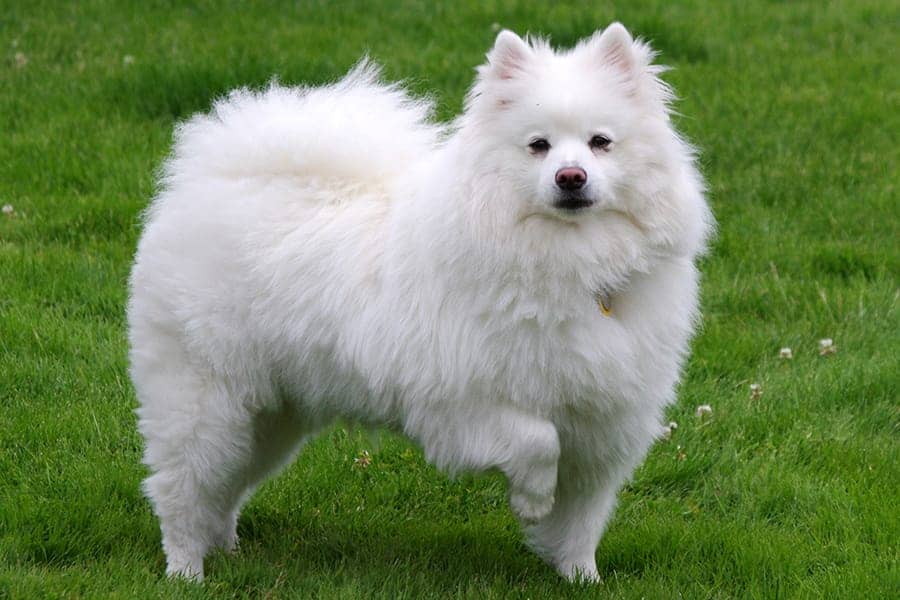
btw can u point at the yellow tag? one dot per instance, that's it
(603, 303)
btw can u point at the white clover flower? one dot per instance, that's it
(363, 460)
(703, 410)
(21, 59)
(786, 353)
(826, 347)
(495, 27)
(755, 391)
(128, 59)
(8, 209)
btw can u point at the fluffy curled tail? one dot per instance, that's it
(357, 130)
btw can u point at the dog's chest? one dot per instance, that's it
(545, 362)
(599, 351)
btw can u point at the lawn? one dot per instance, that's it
(792, 493)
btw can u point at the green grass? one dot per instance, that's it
(795, 494)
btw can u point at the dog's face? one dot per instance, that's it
(570, 131)
(572, 158)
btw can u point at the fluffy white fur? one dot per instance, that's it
(330, 253)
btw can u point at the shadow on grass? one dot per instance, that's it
(318, 553)
(488, 548)
(273, 546)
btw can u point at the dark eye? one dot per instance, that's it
(539, 146)
(600, 142)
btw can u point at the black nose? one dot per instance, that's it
(571, 178)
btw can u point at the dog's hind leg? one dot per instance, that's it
(197, 441)
(207, 446)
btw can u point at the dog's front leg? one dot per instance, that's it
(589, 479)
(524, 447)
(567, 538)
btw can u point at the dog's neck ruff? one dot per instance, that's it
(604, 302)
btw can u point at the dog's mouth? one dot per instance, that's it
(572, 203)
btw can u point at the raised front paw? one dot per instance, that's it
(531, 498)
(532, 477)
(530, 507)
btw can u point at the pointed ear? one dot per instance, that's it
(508, 56)
(615, 47)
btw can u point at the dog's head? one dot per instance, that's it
(572, 133)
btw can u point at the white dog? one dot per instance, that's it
(516, 291)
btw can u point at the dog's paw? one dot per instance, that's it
(184, 563)
(584, 571)
(530, 508)
(190, 572)
(228, 543)
(531, 496)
